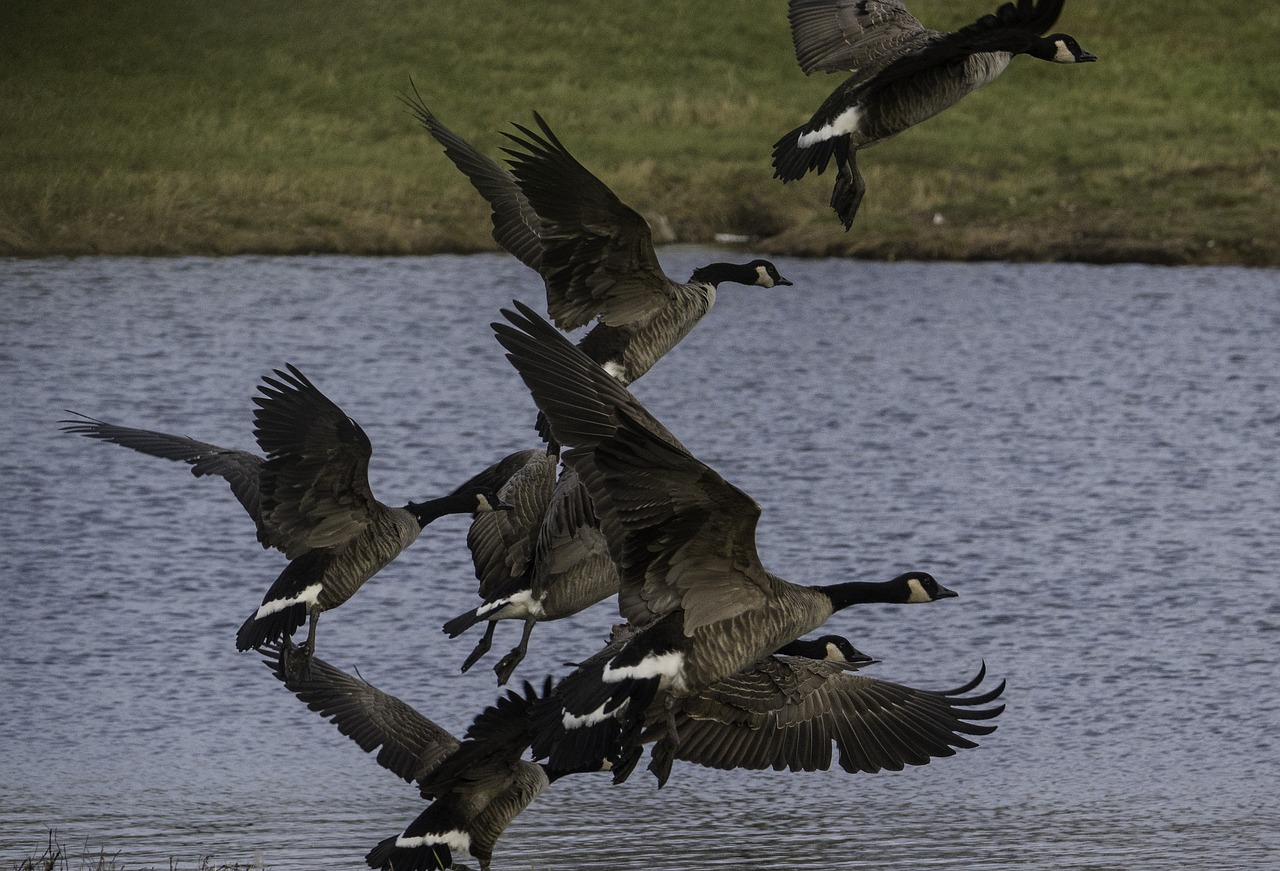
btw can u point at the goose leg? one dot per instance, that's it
(849, 190)
(298, 665)
(482, 646)
(508, 663)
(664, 751)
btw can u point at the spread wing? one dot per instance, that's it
(682, 536)
(879, 42)
(789, 712)
(860, 36)
(315, 484)
(1011, 28)
(408, 744)
(515, 224)
(598, 259)
(240, 469)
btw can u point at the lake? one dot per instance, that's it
(1088, 455)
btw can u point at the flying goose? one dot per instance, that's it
(309, 498)
(684, 542)
(478, 785)
(902, 74)
(595, 254)
(545, 560)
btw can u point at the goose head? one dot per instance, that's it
(767, 275)
(485, 500)
(829, 648)
(920, 587)
(1059, 48)
(757, 273)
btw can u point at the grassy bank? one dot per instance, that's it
(169, 126)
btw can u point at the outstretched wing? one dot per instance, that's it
(408, 744)
(515, 224)
(859, 36)
(682, 536)
(315, 484)
(789, 712)
(598, 259)
(240, 469)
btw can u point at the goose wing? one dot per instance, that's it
(1011, 28)
(788, 712)
(502, 542)
(408, 744)
(515, 224)
(315, 483)
(240, 469)
(860, 36)
(598, 259)
(681, 535)
(571, 549)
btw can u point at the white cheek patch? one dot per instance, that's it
(307, 597)
(454, 840)
(664, 665)
(482, 503)
(1063, 55)
(918, 594)
(763, 278)
(835, 654)
(843, 124)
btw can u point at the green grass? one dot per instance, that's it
(170, 126)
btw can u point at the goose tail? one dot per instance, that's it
(285, 606)
(594, 717)
(792, 161)
(465, 621)
(426, 845)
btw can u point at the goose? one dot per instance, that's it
(543, 561)
(478, 785)
(309, 498)
(595, 254)
(786, 711)
(902, 74)
(684, 542)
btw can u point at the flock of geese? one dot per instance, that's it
(709, 665)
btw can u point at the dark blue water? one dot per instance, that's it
(1087, 455)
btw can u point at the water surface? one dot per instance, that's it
(1087, 455)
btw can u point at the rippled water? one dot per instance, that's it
(1087, 455)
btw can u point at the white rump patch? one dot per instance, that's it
(572, 721)
(616, 370)
(842, 125)
(454, 840)
(307, 597)
(516, 607)
(664, 665)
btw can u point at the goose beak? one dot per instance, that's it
(504, 506)
(782, 282)
(944, 593)
(1086, 57)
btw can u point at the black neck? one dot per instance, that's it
(456, 503)
(714, 273)
(863, 593)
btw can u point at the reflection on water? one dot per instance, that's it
(1086, 454)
